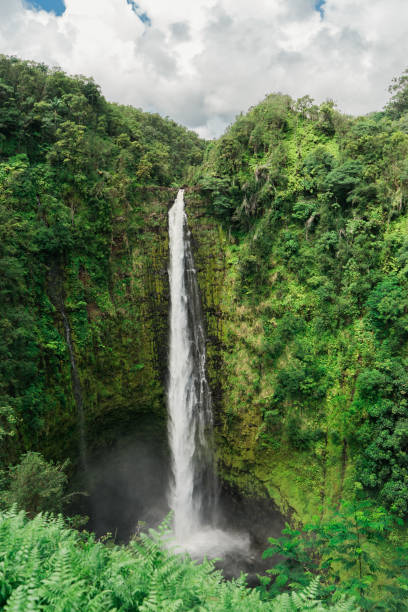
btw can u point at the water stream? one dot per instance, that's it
(193, 490)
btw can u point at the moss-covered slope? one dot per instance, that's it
(309, 213)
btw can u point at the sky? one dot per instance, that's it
(202, 62)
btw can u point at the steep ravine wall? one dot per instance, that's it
(301, 483)
(118, 324)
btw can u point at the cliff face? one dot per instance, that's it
(119, 329)
(252, 457)
(209, 246)
(84, 191)
(299, 223)
(306, 213)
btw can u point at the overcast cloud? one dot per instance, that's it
(202, 62)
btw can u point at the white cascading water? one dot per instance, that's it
(188, 393)
(193, 489)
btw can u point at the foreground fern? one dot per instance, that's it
(46, 566)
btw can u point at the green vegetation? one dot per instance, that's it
(309, 210)
(344, 552)
(313, 206)
(45, 566)
(84, 187)
(34, 485)
(299, 217)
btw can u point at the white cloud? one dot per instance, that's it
(203, 62)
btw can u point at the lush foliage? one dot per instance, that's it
(46, 566)
(344, 551)
(314, 205)
(302, 256)
(83, 192)
(35, 485)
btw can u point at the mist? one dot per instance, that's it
(128, 484)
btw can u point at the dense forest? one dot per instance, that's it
(299, 220)
(314, 205)
(75, 202)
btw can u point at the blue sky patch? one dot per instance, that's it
(319, 6)
(51, 6)
(144, 17)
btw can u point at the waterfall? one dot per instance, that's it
(192, 497)
(192, 493)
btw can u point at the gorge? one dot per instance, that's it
(294, 262)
